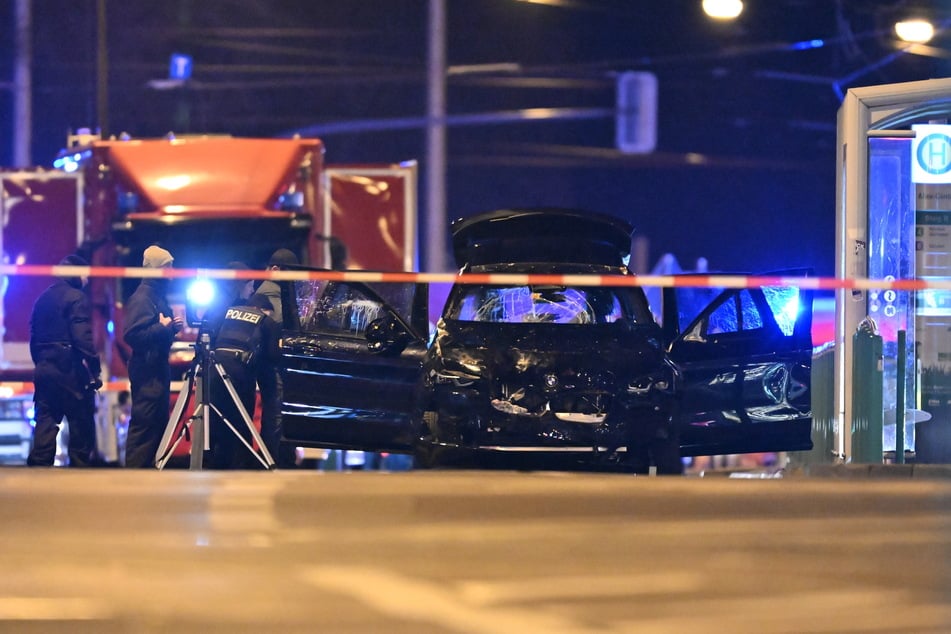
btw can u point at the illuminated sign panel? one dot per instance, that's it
(180, 67)
(931, 154)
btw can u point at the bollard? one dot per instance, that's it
(822, 380)
(868, 415)
(900, 400)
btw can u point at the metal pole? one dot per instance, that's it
(900, 399)
(102, 70)
(183, 114)
(23, 85)
(201, 428)
(435, 221)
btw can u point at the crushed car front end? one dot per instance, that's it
(545, 375)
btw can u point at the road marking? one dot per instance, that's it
(52, 609)
(403, 597)
(484, 593)
(245, 505)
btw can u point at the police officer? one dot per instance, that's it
(66, 373)
(280, 259)
(229, 292)
(271, 382)
(246, 344)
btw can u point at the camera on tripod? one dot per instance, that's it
(197, 386)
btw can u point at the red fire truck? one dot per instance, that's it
(208, 200)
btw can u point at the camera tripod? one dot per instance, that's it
(199, 377)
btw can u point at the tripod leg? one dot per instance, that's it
(265, 456)
(242, 439)
(164, 450)
(189, 424)
(200, 425)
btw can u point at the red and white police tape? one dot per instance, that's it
(685, 280)
(8, 389)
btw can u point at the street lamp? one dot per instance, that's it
(436, 260)
(723, 9)
(916, 30)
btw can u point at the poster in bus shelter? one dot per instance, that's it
(933, 316)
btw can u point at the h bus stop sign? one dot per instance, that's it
(931, 154)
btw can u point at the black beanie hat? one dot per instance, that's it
(73, 260)
(283, 257)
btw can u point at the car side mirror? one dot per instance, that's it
(386, 335)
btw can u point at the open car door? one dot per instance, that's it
(745, 364)
(351, 358)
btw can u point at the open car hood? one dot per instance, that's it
(540, 235)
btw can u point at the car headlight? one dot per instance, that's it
(457, 373)
(455, 378)
(653, 383)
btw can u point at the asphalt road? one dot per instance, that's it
(470, 552)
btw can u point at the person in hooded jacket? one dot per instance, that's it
(150, 329)
(66, 371)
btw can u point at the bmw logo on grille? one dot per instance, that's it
(551, 381)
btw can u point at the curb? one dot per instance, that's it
(870, 471)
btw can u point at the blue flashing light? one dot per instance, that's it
(807, 44)
(111, 327)
(201, 292)
(70, 162)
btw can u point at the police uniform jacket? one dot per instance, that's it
(213, 318)
(247, 332)
(61, 339)
(149, 339)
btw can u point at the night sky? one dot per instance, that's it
(744, 169)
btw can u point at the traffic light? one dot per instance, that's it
(636, 114)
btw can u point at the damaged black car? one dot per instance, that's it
(549, 373)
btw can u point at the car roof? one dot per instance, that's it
(541, 234)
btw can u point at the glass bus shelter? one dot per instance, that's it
(890, 227)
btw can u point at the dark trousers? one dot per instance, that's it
(272, 396)
(150, 413)
(52, 404)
